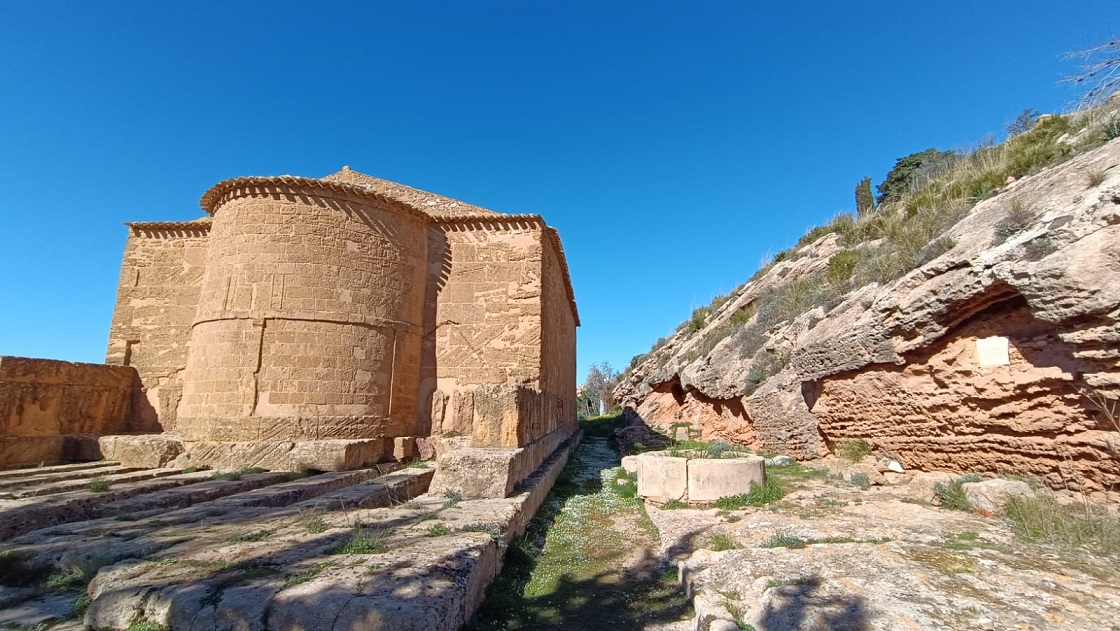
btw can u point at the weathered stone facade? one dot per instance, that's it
(346, 311)
(52, 411)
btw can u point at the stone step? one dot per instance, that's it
(423, 564)
(85, 483)
(80, 466)
(19, 516)
(13, 484)
(235, 518)
(137, 529)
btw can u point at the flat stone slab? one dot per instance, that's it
(336, 550)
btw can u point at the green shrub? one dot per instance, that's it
(842, 265)
(717, 448)
(452, 498)
(952, 495)
(60, 581)
(437, 530)
(859, 479)
(674, 505)
(696, 322)
(1018, 216)
(901, 177)
(80, 605)
(853, 450)
(865, 201)
(99, 485)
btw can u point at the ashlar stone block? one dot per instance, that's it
(663, 479)
(710, 479)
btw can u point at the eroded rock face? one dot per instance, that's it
(985, 359)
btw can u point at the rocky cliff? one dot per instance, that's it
(996, 353)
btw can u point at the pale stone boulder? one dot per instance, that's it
(922, 485)
(663, 479)
(143, 451)
(990, 496)
(710, 479)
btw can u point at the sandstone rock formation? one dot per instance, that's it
(994, 356)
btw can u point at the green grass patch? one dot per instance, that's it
(1075, 527)
(437, 530)
(316, 525)
(778, 583)
(783, 540)
(99, 485)
(143, 624)
(256, 535)
(306, 575)
(769, 492)
(364, 541)
(602, 426)
(81, 603)
(566, 571)
(853, 450)
(232, 476)
(718, 542)
(967, 540)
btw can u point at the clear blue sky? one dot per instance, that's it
(672, 144)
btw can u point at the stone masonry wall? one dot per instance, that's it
(156, 301)
(309, 320)
(486, 279)
(558, 342)
(53, 410)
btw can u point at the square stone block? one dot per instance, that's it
(478, 473)
(663, 479)
(710, 479)
(143, 451)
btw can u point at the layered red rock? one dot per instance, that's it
(993, 358)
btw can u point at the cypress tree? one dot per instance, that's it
(865, 201)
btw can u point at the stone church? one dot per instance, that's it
(335, 322)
